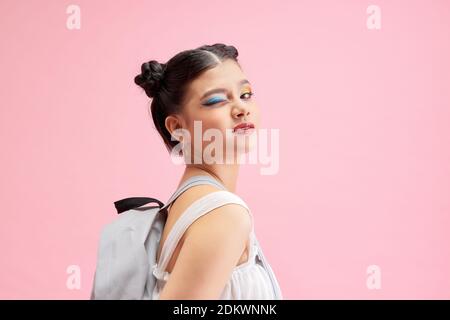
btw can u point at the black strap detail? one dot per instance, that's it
(134, 202)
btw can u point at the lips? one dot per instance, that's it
(244, 126)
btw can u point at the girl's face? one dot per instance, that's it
(221, 98)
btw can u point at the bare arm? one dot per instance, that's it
(212, 248)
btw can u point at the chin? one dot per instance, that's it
(248, 143)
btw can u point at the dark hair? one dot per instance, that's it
(166, 83)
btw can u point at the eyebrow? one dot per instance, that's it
(207, 93)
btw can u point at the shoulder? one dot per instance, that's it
(233, 212)
(191, 195)
(231, 218)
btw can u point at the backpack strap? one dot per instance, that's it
(197, 209)
(135, 202)
(190, 182)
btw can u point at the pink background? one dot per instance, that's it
(363, 115)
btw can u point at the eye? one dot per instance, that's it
(249, 94)
(215, 100)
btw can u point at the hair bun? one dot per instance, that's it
(151, 77)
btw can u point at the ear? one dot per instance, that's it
(174, 122)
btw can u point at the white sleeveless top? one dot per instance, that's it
(248, 281)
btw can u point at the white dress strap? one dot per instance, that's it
(198, 208)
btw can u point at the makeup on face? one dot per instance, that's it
(246, 90)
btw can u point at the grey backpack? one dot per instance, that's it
(128, 246)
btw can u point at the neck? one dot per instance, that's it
(226, 174)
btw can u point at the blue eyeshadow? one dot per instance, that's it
(213, 100)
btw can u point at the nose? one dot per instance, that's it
(240, 110)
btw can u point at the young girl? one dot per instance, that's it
(208, 246)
